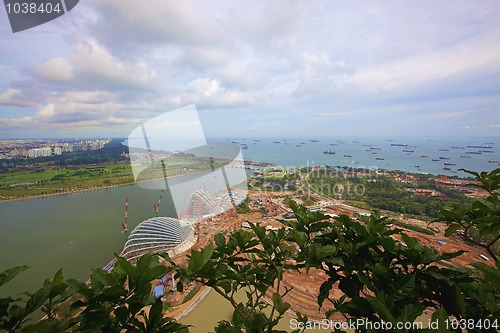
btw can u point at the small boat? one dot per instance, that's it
(448, 163)
(457, 147)
(446, 168)
(376, 148)
(435, 160)
(328, 152)
(444, 150)
(277, 141)
(473, 152)
(408, 151)
(487, 147)
(465, 156)
(493, 161)
(417, 166)
(345, 155)
(444, 158)
(380, 158)
(314, 140)
(298, 145)
(424, 155)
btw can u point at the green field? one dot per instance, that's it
(17, 184)
(25, 183)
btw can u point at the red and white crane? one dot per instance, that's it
(157, 206)
(125, 224)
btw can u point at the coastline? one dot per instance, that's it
(42, 196)
(94, 188)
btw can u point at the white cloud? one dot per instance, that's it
(14, 97)
(56, 69)
(416, 71)
(93, 61)
(91, 65)
(90, 97)
(209, 93)
(205, 87)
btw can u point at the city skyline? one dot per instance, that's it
(301, 69)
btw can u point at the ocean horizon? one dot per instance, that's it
(439, 156)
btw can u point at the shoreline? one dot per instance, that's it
(250, 163)
(69, 192)
(104, 187)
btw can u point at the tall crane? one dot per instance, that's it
(125, 224)
(157, 206)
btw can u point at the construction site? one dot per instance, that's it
(268, 209)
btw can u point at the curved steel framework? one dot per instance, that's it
(157, 234)
(201, 205)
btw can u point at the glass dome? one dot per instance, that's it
(157, 234)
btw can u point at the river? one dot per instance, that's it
(80, 231)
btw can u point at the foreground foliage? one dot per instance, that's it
(385, 276)
(111, 302)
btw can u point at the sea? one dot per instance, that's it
(436, 156)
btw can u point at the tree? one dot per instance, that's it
(481, 217)
(110, 302)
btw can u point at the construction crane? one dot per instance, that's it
(157, 206)
(125, 224)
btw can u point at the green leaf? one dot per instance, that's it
(410, 241)
(127, 267)
(11, 273)
(439, 318)
(36, 300)
(381, 273)
(155, 313)
(57, 289)
(220, 241)
(324, 290)
(280, 305)
(144, 262)
(451, 255)
(382, 310)
(388, 244)
(157, 272)
(403, 287)
(410, 312)
(58, 277)
(491, 273)
(200, 258)
(115, 292)
(451, 229)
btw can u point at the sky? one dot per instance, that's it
(259, 68)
